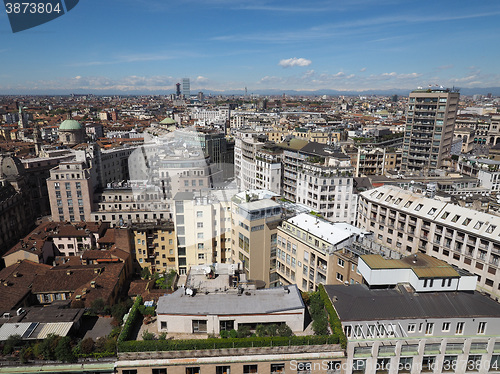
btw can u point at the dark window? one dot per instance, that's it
(222, 369)
(193, 370)
(248, 369)
(159, 371)
(277, 368)
(227, 325)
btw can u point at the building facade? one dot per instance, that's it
(310, 252)
(430, 121)
(411, 223)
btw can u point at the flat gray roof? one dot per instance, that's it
(264, 301)
(358, 303)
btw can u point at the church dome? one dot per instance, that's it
(10, 166)
(70, 124)
(168, 121)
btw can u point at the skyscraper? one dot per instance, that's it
(186, 88)
(430, 121)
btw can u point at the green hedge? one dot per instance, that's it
(129, 325)
(96, 355)
(334, 319)
(214, 343)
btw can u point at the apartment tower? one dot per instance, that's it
(430, 121)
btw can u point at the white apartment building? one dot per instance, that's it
(319, 178)
(203, 228)
(411, 223)
(268, 168)
(403, 331)
(245, 151)
(485, 170)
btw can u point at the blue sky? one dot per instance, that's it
(148, 46)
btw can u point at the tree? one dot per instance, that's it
(146, 335)
(64, 351)
(145, 273)
(284, 330)
(98, 306)
(244, 331)
(87, 346)
(118, 311)
(48, 347)
(12, 342)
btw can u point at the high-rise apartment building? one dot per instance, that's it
(430, 121)
(186, 88)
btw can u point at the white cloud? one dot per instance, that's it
(362, 69)
(291, 62)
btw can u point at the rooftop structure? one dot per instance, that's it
(183, 312)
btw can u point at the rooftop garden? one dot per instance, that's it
(325, 324)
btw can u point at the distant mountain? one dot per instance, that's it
(495, 91)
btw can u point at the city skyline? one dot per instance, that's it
(148, 47)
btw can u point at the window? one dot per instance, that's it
(466, 221)
(199, 225)
(304, 367)
(340, 277)
(411, 327)
(132, 371)
(201, 256)
(222, 369)
(248, 369)
(193, 370)
(159, 371)
(481, 328)
(408, 203)
(341, 262)
(460, 328)
(199, 214)
(418, 207)
(456, 218)
(358, 366)
(446, 326)
(490, 229)
(478, 225)
(429, 328)
(432, 211)
(199, 325)
(428, 363)
(226, 325)
(405, 364)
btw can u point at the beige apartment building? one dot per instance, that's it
(430, 121)
(71, 191)
(155, 245)
(255, 219)
(411, 223)
(310, 252)
(327, 358)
